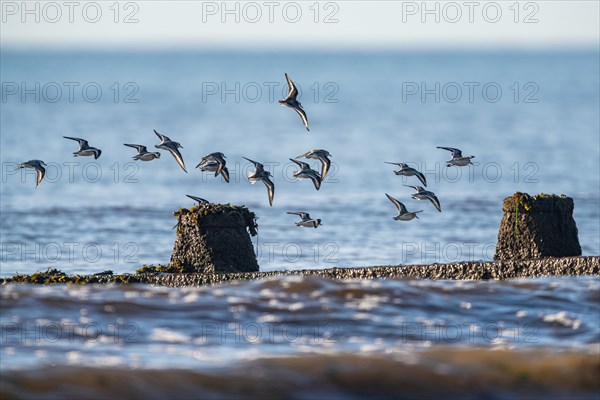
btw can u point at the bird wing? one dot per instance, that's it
(399, 206)
(200, 200)
(82, 142)
(434, 200)
(456, 153)
(39, 174)
(305, 155)
(292, 90)
(413, 187)
(219, 168)
(270, 189)
(163, 138)
(178, 157)
(303, 215)
(315, 178)
(138, 147)
(225, 173)
(421, 177)
(259, 167)
(302, 115)
(325, 167)
(301, 164)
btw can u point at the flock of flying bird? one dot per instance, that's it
(215, 162)
(420, 193)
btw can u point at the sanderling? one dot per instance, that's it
(423, 194)
(171, 146)
(84, 148)
(457, 157)
(403, 214)
(305, 220)
(217, 157)
(291, 102)
(214, 162)
(143, 153)
(40, 171)
(215, 167)
(321, 155)
(405, 170)
(261, 175)
(307, 173)
(200, 200)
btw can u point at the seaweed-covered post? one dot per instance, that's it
(212, 238)
(537, 226)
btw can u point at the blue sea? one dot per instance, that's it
(531, 119)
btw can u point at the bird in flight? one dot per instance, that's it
(305, 220)
(422, 194)
(40, 171)
(143, 153)
(84, 148)
(403, 213)
(214, 162)
(321, 155)
(172, 147)
(291, 101)
(457, 157)
(405, 170)
(261, 175)
(306, 172)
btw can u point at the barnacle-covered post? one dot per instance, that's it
(213, 238)
(537, 226)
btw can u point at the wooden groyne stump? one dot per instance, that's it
(214, 238)
(537, 226)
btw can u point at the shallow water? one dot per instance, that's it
(304, 336)
(112, 213)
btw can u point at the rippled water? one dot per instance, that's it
(296, 337)
(427, 327)
(115, 214)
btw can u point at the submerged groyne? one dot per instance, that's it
(472, 270)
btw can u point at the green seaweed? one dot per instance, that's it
(532, 203)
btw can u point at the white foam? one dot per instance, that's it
(169, 336)
(562, 318)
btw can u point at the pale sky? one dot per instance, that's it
(305, 24)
